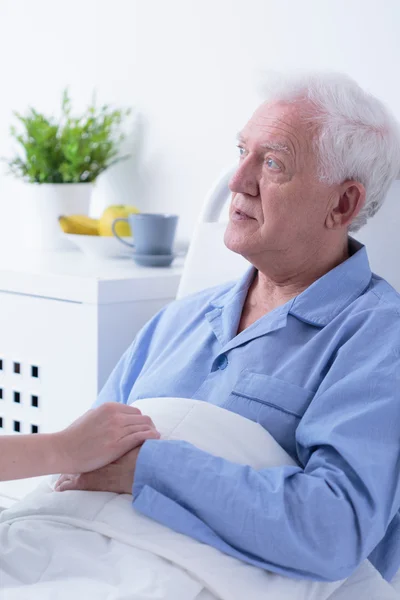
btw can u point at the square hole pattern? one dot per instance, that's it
(17, 368)
(12, 420)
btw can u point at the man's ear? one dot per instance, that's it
(347, 203)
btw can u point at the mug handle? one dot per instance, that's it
(116, 234)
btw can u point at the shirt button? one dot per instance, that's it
(222, 362)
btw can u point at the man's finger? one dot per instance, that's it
(61, 479)
(77, 482)
(67, 485)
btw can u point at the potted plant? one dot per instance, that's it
(60, 160)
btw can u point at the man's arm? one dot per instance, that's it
(318, 520)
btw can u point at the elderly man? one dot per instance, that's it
(307, 344)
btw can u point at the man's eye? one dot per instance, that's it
(241, 150)
(272, 164)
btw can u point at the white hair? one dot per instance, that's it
(356, 138)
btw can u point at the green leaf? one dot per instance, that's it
(78, 148)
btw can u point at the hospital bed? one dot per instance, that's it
(210, 263)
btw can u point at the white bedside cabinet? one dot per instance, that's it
(65, 320)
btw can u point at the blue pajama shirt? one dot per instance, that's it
(322, 374)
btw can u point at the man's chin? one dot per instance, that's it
(234, 243)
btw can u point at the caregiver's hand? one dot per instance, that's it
(114, 477)
(102, 435)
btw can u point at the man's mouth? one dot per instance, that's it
(239, 215)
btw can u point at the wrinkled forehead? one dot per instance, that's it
(282, 124)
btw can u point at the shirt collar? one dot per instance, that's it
(322, 300)
(226, 308)
(236, 291)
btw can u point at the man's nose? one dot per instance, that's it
(244, 180)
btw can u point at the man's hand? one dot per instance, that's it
(115, 477)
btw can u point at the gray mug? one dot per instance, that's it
(153, 233)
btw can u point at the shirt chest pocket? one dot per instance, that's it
(273, 403)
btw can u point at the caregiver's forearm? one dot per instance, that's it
(30, 455)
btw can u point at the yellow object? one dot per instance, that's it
(79, 224)
(114, 212)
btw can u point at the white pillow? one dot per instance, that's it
(215, 430)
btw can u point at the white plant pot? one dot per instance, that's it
(44, 204)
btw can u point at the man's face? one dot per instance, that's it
(277, 201)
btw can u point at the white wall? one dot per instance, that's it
(190, 68)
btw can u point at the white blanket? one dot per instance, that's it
(95, 545)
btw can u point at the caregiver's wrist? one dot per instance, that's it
(60, 458)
